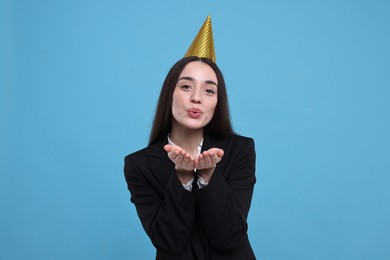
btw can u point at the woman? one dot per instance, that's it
(192, 186)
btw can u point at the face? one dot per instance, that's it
(195, 96)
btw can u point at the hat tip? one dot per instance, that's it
(203, 44)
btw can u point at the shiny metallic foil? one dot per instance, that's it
(203, 44)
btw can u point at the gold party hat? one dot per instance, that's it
(203, 44)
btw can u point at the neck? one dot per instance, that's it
(188, 139)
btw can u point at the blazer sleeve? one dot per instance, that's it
(224, 203)
(167, 219)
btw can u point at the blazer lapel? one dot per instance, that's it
(210, 142)
(160, 165)
(224, 144)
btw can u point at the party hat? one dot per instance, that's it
(203, 44)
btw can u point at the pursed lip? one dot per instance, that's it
(194, 112)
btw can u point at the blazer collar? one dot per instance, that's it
(211, 142)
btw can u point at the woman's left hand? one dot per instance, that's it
(207, 161)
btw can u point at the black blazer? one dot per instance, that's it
(208, 223)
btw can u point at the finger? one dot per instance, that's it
(215, 158)
(191, 164)
(172, 155)
(217, 151)
(187, 162)
(186, 159)
(200, 161)
(172, 151)
(179, 158)
(196, 163)
(220, 153)
(175, 152)
(208, 160)
(168, 147)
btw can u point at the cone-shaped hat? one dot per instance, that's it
(203, 44)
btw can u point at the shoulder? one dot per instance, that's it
(155, 150)
(137, 162)
(233, 142)
(240, 140)
(241, 149)
(137, 154)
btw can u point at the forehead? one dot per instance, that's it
(199, 71)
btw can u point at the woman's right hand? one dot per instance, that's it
(184, 163)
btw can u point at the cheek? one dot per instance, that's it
(214, 103)
(174, 101)
(176, 105)
(212, 108)
(174, 109)
(177, 98)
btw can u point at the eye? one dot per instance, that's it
(209, 91)
(185, 87)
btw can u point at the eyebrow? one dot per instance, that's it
(192, 79)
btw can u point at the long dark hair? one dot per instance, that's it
(219, 126)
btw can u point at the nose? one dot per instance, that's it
(196, 97)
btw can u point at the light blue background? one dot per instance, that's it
(308, 80)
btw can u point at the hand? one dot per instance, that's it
(184, 163)
(207, 161)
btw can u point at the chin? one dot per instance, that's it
(194, 126)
